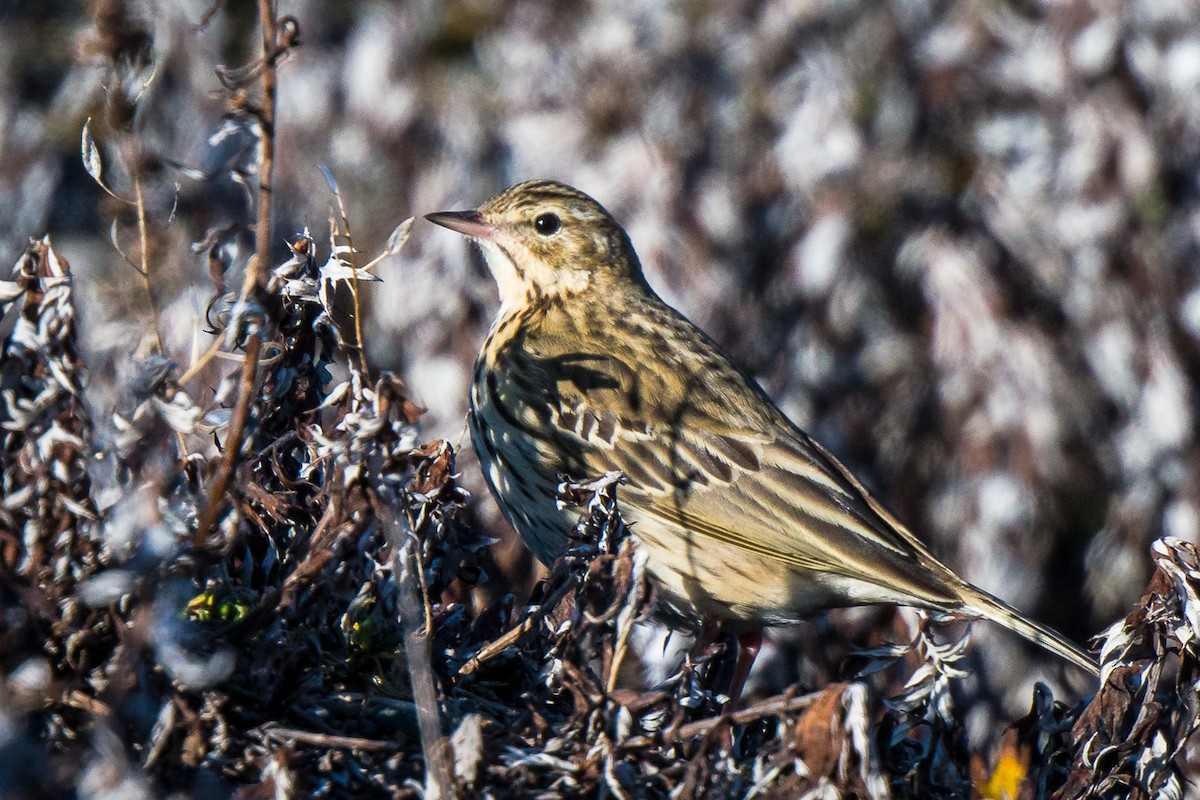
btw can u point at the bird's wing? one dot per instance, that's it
(707, 451)
(785, 498)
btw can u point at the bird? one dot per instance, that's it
(746, 521)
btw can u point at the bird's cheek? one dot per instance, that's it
(575, 280)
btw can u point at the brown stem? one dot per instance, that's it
(778, 705)
(144, 271)
(145, 254)
(288, 735)
(358, 331)
(233, 443)
(531, 619)
(406, 562)
(262, 242)
(254, 272)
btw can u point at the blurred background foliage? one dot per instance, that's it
(957, 241)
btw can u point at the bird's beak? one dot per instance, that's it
(468, 223)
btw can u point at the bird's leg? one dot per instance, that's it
(709, 631)
(749, 643)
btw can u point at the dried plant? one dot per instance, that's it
(1128, 740)
(240, 565)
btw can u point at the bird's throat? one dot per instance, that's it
(522, 278)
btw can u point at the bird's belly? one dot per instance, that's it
(711, 580)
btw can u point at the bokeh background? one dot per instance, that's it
(957, 241)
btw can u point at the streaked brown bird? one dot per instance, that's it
(746, 520)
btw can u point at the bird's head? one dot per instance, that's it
(544, 238)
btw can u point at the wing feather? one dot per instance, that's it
(783, 499)
(707, 451)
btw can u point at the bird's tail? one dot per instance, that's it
(996, 610)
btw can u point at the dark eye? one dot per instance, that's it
(547, 224)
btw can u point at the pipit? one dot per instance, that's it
(747, 521)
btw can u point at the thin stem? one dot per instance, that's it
(358, 332)
(627, 616)
(254, 272)
(233, 443)
(262, 242)
(201, 362)
(774, 706)
(406, 562)
(513, 635)
(289, 735)
(144, 272)
(145, 268)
